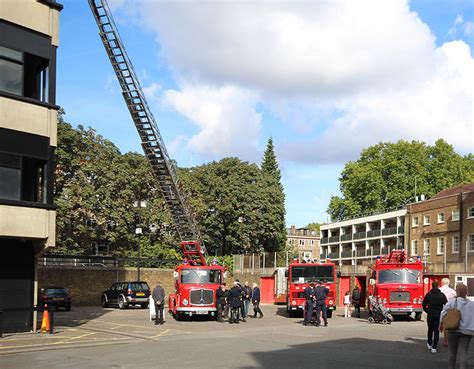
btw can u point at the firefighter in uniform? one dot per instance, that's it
(320, 295)
(309, 296)
(235, 302)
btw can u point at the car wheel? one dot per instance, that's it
(329, 314)
(122, 304)
(144, 305)
(104, 302)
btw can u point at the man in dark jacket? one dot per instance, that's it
(159, 298)
(221, 301)
(235, 302)
(256, 301)
(356, 296)
(309, 296)
(432, 305)
(320, 295)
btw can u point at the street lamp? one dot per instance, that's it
(138, 231)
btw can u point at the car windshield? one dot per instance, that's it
(403, 275)
(142, 286)
(307, 274)
(54, 291)
(200, 276)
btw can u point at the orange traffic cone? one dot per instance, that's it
(45, 321)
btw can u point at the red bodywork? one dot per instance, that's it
(398, 283)
(195, 283)
(300, 275)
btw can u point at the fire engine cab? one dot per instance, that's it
(397, 283)
(300, 275)
(195, 283)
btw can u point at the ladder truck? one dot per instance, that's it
(195, 281)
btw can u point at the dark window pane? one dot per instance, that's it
(36, 77)
(11, 54)
(10, 183)
(10, 77)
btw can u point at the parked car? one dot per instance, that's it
(55, 296)
(125, 294)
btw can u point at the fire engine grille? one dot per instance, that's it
(399, 296)
(201, 297)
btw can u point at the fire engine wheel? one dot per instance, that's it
(329, 314)
(370, 320)
(178, 316)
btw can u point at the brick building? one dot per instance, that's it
(28, 125)
(306, 241)
(441, 231)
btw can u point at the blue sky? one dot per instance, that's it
(323, 79)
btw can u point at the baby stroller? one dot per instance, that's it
(380, 313)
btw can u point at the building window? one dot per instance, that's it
(24, 74)
(306, 255)
(470, 213)
(415, 222)
(470, 243)
(426, 247)
(426, 220)
(455, 215)
(455, 249)
(301, 242)
(440, 217)
(414, 247)
(440, 244)
(311, 242)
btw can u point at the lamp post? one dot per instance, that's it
(138, 231)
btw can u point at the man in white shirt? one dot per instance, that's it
(450, 294)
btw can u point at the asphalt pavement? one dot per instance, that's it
(111, 338)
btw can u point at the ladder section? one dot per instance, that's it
(193, 253)
(151, 139)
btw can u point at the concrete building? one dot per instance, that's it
(28, 124)
(305, 240)
(353, 244)
(441, 231)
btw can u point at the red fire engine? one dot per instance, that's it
(300, 275)
(397, 283)
(196, 283)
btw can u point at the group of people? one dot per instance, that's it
(436, 303)
(315, 296)
(352, 301)
(234, 303)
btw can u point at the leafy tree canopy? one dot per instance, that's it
(385, 175)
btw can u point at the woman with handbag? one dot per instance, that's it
(458, 319)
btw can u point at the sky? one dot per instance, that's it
(324, 79)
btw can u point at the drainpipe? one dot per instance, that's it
(461, 228)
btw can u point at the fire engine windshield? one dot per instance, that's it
(404, 275)
(307, 274)
(200, 276)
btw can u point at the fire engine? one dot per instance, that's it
(300, 275)
(397, 283)
(196, 282)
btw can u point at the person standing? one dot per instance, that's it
(450, 294)
(309, 296)
(460, 339)
(320, 295)
(256, 301)
(247, 296)
(347, 305)
(159, 299)
(235, 302)
(221, 301)
(433, 304)
(356, 296)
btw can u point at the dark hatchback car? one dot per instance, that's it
(125, 294)
(58, 297)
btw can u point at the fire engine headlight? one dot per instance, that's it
(415, 301)
(380, 300)
(185, 302)
(384, 301)
(331, 302)
(293, 302)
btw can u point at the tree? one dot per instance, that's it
(313, 226)
(384, 176)
(269, 162)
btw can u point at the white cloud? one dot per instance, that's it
(226, 117)
(346, 74)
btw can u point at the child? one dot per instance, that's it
(347, 305)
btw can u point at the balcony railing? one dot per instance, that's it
(389, 231)
(346, 254)
(333, 255)
(361, 253)
(401, 230)
(359, 235)
(334, 239)
(374, 233)
(376, 251)
(346, 237)
(325, 240)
